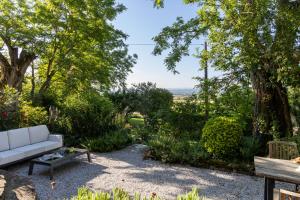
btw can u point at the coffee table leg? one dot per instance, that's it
(89, 156)
(30, 168)
(51, 173)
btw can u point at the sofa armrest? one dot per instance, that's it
(56, 138)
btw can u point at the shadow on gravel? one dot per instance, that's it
(67, 178)
(216, 184)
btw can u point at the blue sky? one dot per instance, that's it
(142, 22)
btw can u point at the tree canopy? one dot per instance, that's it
(69, 42)
(257, 39)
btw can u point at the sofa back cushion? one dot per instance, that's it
(18, 138)
(38, 134)
(4, 145)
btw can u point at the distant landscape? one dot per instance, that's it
(182, 91)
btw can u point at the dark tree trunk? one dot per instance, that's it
(271, 105)
(13, 69)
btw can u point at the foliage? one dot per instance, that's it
(72, 50)
(246, 40)
(86, 194)
(16, 112)
(9, 104)
(141, 134)
(172, 150)
(119, 194)
(110, 141)
(144, 98)
(193, 195)
(185, 118)
(294, 97)
(88, 113)
(249, 148)
(32, 116)
(228, 98)
(152, 99)
(221, 136)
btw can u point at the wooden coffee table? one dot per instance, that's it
(69, 154)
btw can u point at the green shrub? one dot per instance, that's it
(249, 148)
(186, 117)
(32, 116)
(119, 194)
(221, 136)
(193, 195)
(109, 142)
(140, 134)
(89, 114)
(9, 108)
(173, 150)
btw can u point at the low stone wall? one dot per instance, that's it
(13, 187)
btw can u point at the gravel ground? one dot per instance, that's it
(128, 170)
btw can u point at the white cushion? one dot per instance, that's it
(10, 156)
(4, 145)
(31, 150)
(37, 148)
(18, 138)
(38, 134)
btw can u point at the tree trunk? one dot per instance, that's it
(13, 71)
(271, 109)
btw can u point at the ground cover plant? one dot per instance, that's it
(120, 194)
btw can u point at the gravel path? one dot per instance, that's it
(128, 170)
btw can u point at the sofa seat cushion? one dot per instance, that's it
(38, 148)
(38, 134)
(10, 156)
(4, 145)
(18, 138)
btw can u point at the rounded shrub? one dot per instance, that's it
(221, 136)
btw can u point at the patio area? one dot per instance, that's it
(127, 169)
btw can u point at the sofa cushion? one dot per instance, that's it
(31, 150)
(10, 156)
(4, 145)
(18, 138)
(38, 134)
(37, 148)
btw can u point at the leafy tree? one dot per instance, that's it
(18, 41)
(74, 41)
(152, 99)
(256, 39)
(145, 98)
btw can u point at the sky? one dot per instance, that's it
(142, 22)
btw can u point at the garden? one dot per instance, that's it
(65, 65)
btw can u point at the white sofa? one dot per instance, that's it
(25, 143)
